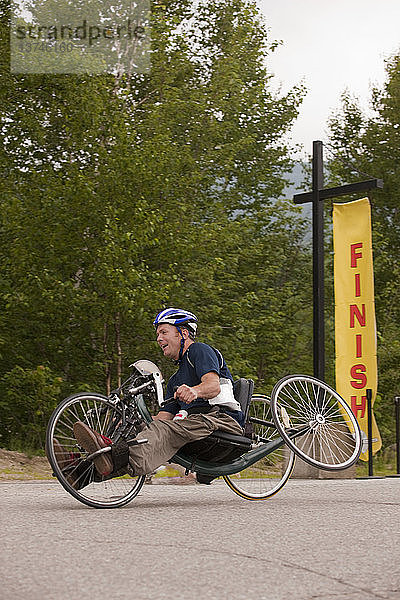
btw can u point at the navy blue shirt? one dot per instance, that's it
(198, 360)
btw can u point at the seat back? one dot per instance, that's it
(243, 391)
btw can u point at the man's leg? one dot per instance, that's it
(164, 439)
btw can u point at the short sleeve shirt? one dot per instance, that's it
(198, 360)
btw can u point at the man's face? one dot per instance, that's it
(169, 340)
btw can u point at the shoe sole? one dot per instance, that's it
(87, 438)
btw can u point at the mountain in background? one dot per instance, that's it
(299, 181)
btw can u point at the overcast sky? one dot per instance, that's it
(331, 45)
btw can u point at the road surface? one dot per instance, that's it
(314, 540)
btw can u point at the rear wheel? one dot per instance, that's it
(316, 423)
(68, 460)
(267, 476)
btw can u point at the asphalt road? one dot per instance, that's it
(315, 539)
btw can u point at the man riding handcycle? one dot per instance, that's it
(101, 448)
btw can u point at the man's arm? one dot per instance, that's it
(208, 388)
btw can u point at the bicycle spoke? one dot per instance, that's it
(263, 479)
(68, 460)
(330, 443)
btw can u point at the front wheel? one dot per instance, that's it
(68, 460)
(316, 423)
(268, 475)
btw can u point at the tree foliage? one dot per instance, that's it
(368, 146)
(125, 194)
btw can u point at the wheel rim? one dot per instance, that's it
(266, 477)
(331, 437)
(69, 460)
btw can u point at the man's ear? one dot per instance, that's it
(185, 333)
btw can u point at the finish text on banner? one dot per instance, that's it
(355, 327)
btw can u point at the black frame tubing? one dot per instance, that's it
(370, 455)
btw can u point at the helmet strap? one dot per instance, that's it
(182, 343)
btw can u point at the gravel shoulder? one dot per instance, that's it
(16, 466)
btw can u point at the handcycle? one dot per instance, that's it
(304, 417)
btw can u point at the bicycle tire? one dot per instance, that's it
(68, 460)
(266, 477)
(331, 438)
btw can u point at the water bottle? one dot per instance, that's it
(182, 414)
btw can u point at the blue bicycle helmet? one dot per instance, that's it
(177, 317)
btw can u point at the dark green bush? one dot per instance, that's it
(27, 399)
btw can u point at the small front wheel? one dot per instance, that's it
(316, 423)
(77, 474)
(268, 475)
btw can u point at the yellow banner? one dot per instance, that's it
(355, 328)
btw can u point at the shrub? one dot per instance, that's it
(27, 399)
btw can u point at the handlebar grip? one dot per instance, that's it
(167, 401)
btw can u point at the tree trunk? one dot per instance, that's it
(117, 326)
(107, 362)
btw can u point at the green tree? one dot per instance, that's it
(123, 194)
(368, 145)
(28, 396)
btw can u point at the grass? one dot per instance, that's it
(378, 468)
(383, 463)
(167, 472)
(11, 472)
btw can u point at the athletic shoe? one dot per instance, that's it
(92, 441)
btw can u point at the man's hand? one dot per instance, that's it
(208, 388)
(186, 394)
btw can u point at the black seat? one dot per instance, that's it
(243, 391)
(219, 446)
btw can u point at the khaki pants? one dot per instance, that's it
(166, 437)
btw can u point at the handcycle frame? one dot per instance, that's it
(129, 409)
(232, 467)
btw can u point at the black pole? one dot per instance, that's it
(397, 411)
(317, 197)
(318, 262)
(370, 457)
